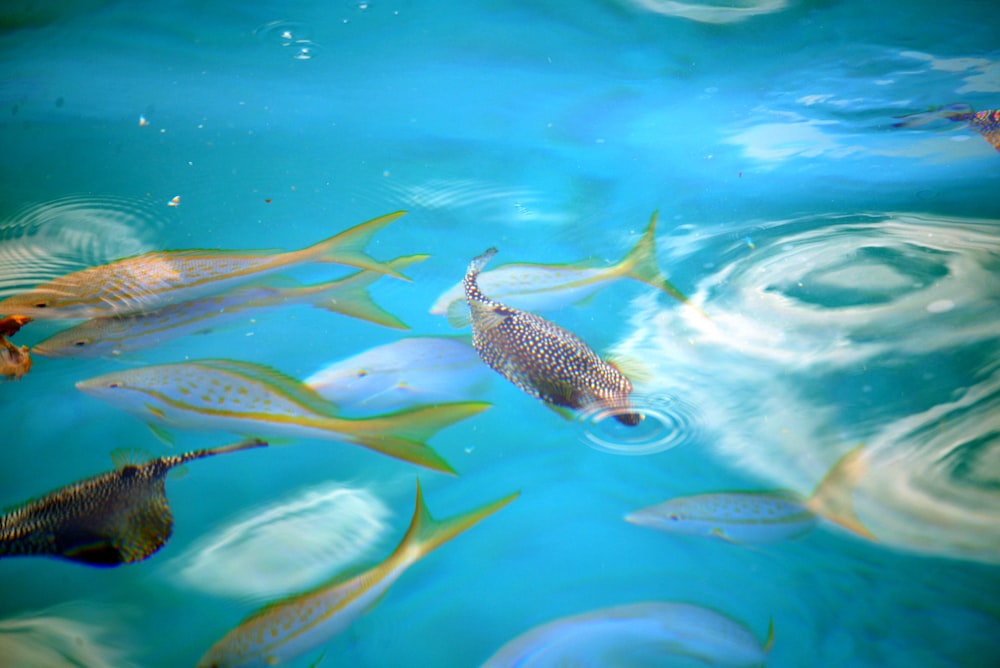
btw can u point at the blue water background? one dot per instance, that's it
(551, 130)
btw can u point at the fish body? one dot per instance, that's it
(109, 336)
(284, 630)
(152, 280)
(402, 373)
(742, 517)
(640, 634)
(115, 518)
(541, 358)
(540, 287)
(762, 517)
(985, 122)
(240, 397)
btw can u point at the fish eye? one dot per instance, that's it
(674, 518)
(80, 343)
(41, 305)
(362, 373)
(112, 384)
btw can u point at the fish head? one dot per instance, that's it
(92, 338)
(132, 390)
(43, 302)
(671, 516)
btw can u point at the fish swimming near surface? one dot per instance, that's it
(108, 336)
(540, 287)
(762, 517)
(152, 280)
(541, 358)
(417, 370)
(245, 398)
(118, 517)
(639, 634)
(286, 629)
(985, 122)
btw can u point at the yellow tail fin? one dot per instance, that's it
(640, 264)
(348, 247)
(402, 434)
(426, 533)
(834, 496)
(349, 296)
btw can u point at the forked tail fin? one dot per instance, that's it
(426, 533)
(640, 264)
(348, 247)
(349, 296)
(402, 434)
(834, 496)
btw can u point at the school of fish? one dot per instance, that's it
(390, 399)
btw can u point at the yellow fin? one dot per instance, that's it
(161, 433)
(348, 247)
(122, 457)
(769, 642)
(633, 368)
(834, 495)
(640, 264)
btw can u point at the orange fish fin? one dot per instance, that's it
(834, 495)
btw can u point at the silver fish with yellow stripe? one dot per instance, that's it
(286, 629)
(149, 281)
(109, 336)
(245, 398)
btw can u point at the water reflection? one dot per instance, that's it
(56, 638)
(288, 545)
(879, 329)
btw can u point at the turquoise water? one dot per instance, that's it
(850, 271)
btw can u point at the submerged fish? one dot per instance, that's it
(986, 122)
(541, 358)
(115, 518)
(149, 281)
(640, 634)
(538, 287)
(762, 517)
(402, 373)
(114, 335)
(241, 397)
(285, 629)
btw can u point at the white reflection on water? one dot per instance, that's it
(41, 242)
(286, 546)
(56, 638)
(875, 329)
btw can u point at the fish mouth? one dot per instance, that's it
(630, 419)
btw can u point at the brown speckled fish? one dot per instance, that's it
(115, 518)
(541, 358)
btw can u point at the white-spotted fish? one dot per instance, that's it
(540, 287)
(640, 634)
(245, 398)
(286, 629)
(418, 370)
(541, 358)
(762, 517)
(985, 122)
(149, 281)
(115, 518)
(109, 336)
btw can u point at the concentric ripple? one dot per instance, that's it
(667, 422)
(291, 36)
(43, 241)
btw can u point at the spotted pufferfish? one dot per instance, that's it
(541, 358)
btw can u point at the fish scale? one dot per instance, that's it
(541, 358)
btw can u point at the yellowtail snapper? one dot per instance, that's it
(115, 518)
(287, 628)
(762, 517)
(245, 398)
(108, 336)
(149, 281)
(541, 358)
(540, 287)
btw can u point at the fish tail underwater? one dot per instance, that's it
(737, 357)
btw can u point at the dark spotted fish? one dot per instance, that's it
(115, 518)
(542, 358)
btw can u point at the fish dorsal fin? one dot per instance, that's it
(122, 457)
(834, 495)
(278, 381)
(487, 317)
(632, 367)
(458, 313)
